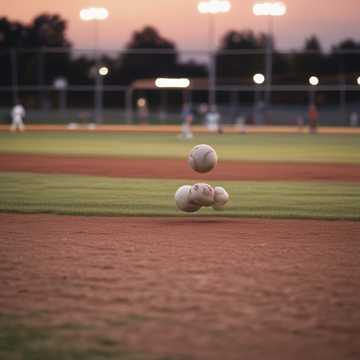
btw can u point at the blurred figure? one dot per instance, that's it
(354, 119)
(212, 120)
(188, 117)
(240, 124)
(203, 109)
(313, 116)
(300, 123)
(17, 116)
(142, 110)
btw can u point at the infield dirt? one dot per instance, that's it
(177, 168)
(197, 288)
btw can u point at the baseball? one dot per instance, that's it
(221, 197)
(202, 194)
(202, 158)
(182, 199)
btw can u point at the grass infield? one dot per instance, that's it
(253, 147)
(86, 195)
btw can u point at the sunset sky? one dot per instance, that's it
(179, 20)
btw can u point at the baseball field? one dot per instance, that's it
(96, 262)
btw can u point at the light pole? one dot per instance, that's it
(258, 79)
(211, 8)
(313, 81)
(100, 74)
(96, 14)
(269, 9)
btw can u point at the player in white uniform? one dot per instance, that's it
(17, 115)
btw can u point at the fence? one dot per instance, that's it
(63, 85)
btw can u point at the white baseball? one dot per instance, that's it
(202, 194)
(182, 199)
(221, 197)
(202, 158)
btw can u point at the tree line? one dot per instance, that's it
(48, 31)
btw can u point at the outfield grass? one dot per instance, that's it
(85, 195)
(254, 147)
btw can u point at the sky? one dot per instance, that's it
(178, 20)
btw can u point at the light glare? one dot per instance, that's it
(103, 71)
(269, 9)
(313, 80)
(172, 83)
(358, 80)
(259, 79)
(141, 102)
(94, 13)
(214, 6)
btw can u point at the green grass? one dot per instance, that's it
(254, 147)
(22, 341)
(83, 195)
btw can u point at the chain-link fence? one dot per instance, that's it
(65, 85)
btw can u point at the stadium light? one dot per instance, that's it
(259, 79)
(269, 9)
(180, 83)
(314, 80)
(103, 71)
(358, 80)
(214, 6)
(94, 13)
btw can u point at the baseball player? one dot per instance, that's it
(17, 116)
(188, 117)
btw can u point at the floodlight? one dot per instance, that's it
(277, 8)
(314, 80)
(172, 83)
(259, 79)
(214, 6)
(94, 13)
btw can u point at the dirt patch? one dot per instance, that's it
(199, 288)
(175, 168)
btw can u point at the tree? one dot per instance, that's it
(12, 34)
(347, 56)
(48, 30)
(313, 44)
(310, 61)
(240, 65)
(133, 66)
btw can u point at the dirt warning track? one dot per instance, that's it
(177, 169)
(187, 288)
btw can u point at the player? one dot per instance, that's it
(213, 120)
(313, 115)
(17, 116)
(188, 117)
